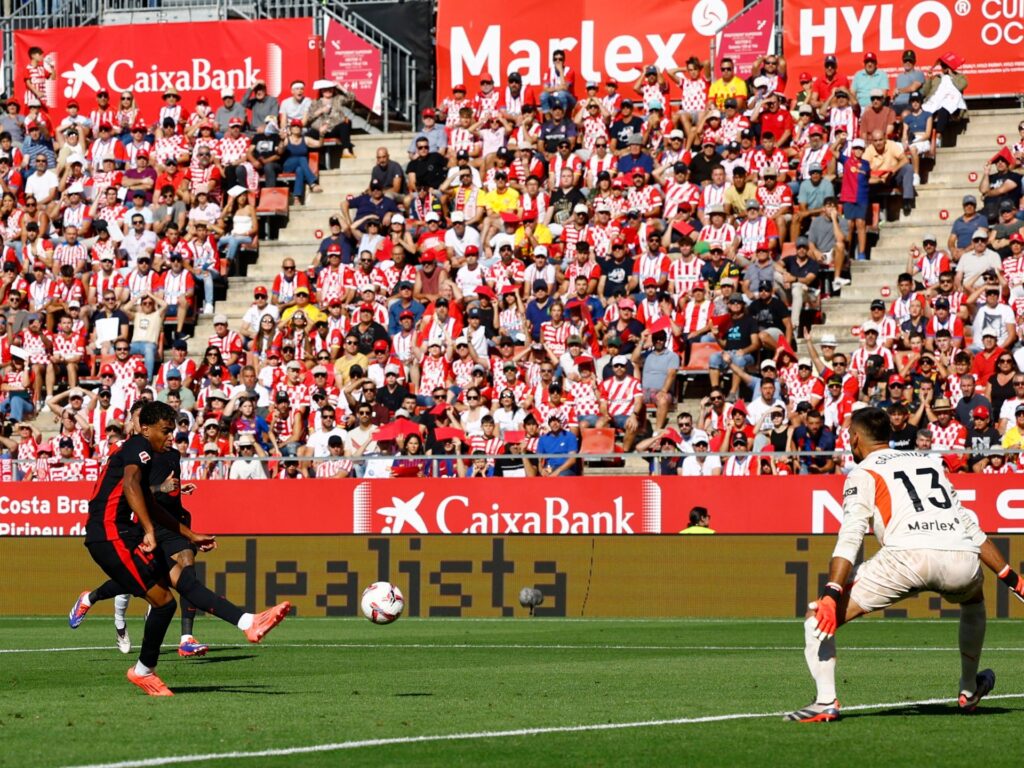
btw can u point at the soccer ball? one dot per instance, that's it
(382, 602)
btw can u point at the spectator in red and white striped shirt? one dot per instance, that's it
(622, 401)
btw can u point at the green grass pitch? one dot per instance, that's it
(323, 681)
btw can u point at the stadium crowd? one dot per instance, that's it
(538, 272)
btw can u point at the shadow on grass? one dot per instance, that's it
(211, 659)
(929, 710)
(417, 693)
(258, 690)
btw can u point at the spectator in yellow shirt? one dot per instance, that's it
(700, 519)
(501, 200)
(728, 86)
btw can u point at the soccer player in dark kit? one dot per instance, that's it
(135, 553)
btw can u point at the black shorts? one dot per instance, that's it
(171, 543)
(134, 570)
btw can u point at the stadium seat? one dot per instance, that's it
(272, 210)
(597, 440)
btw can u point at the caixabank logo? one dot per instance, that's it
(149, 60)
(601, 506)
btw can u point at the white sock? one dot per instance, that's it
(186, 638)
(86, 601)
(821, 661)
(120, 608)
(972, 637)
(245, 622)
(142, 669)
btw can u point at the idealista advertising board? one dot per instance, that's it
(480, 576)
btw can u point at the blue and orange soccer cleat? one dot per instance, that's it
(78, 612)
(815, 713)
(151, 684)
(985, 682)
(192, 647)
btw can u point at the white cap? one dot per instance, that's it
(676, 134)
(391, 368)
(397, 218)
(245, 439)
(76, 187)
(828, 340)
(620, 360)
(769, 363)
(804, 361)
(761, 82)
(458, 216)
(432, 216)
(556, 230)
(860, 405)
(699, 436)
(540, 250)
(980, 232)
(581, 208)
(857, 143)
(869, 326)
(220, 319)
(76, 158)
(227, 92)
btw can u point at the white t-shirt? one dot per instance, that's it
(993, 319)
(254, 314)
(40, 187)
(694, 468)
(971, 263)
(509, 420)
(318, 441)
(469, 237)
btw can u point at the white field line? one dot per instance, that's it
(569, 619)
(476, 735)
(534, 647)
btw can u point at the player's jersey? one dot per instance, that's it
(909, 502)
(109, 513)
(165, 465)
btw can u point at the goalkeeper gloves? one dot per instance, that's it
(1012, 579)
(825, 612)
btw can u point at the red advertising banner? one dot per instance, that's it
(987, 34)
(197, 59)
(600, 505)
(602, 38)
(353, 63)
(747, 38)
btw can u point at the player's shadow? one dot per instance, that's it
(414, 693)
(933, 710)
(211, 659)
(258, 690)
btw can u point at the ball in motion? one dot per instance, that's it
(382, 602)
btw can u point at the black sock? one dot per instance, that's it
(188, 615)
(199, 596)
(157, 623)
(108, 590)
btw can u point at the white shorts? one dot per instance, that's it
(894, 574)
(922, 146)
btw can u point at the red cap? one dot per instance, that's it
(71, 103)
(1017, 237)
(406, 313)
(805, 77)
(380, 346)
(510, 218)
(428, 256)
(235, 121)
(107, 370)
(429, 112)
(105, 126)
(508, 289)
(472, 249)
(650, 281)
(816, 130)
(334, 248)
(530, 215)
(366, 307)
(611, 81)
(981, 412)
(139, 125)
(618, 241)
(870, 56)
(335, 302)
(764, 245)
(459, 87)
(699, 284)
(297, 121)
(617, 183)
(260, 289)
(638, 171)
(140, 368)
(142, 153)
(896, 379)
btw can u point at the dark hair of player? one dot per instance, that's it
(872, 423)
(697, 514)
(153, 412)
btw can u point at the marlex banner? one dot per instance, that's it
(987, 34)
(617, 506)
(196, 59)
(601, 38)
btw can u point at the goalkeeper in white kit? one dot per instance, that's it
(929, 543)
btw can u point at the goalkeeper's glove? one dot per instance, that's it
(825, 612)
(1012, 579)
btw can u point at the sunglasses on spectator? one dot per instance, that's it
(288, 267)
(1006, 360)
(121, 349)
(363, 412)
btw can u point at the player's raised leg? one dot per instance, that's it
(86, 600)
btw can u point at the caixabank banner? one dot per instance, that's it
(195, 59)
(480, 576)
(988, 35)
(542, 506)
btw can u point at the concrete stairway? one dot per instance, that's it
(298, 240)
(942, 190)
